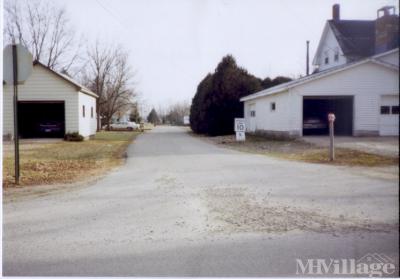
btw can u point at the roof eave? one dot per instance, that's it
(310, 78)
(315, 62)
(386, 53)
(260, 94)
(88, 92)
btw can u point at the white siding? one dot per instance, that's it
(328, 45)
(250, 120)
(278, 119)
(87, 124)
(247, 106)
(42, 85)
(366, 82)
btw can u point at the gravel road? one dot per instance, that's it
(181, 206)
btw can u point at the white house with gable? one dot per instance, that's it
(50, 104)
(356, 77)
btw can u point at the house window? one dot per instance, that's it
(253, 113)
(326, 59)
(395, 109)
(385, 109)
(83, 111)
(91, 112)
(336, 56)
(273, 106)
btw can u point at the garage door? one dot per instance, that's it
(316, 110)
(41, 119)
(389, 116)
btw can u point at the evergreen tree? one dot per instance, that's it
(268, 82)
(217, 100)
(153, 117)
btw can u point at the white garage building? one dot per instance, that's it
(361, 89)
(51, 100)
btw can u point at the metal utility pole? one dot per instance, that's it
(307, 59)
(16, 137)
(17, 67)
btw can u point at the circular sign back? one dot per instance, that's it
(24, 64)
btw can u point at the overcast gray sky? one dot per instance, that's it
(175, 43)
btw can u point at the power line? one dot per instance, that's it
(112, 14)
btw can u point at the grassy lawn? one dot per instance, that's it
(343, 156)
(65, 162)
(302, 151)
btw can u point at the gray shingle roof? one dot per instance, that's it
(356, 37)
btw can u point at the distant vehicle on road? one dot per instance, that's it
(126, 125)
(186, 120)
(314, 123)
(50, 127)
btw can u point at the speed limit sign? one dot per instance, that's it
(240, 129)
(240, 125)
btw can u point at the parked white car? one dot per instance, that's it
(130, 126)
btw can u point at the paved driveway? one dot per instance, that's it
(183, 207)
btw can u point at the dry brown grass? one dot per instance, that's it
(65, 162)
(302, 151)
(343, 156)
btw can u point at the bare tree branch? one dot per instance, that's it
(110, 76)
(44, 29)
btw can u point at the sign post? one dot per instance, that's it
(240, 129)
(17, 67)
(331, 119)
(16, 137)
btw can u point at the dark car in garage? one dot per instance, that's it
(314, 123)
(41, 119)
(50, 127)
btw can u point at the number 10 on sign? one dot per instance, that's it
(240, 129)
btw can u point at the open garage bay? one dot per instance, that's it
(316, 110)
(41, 119)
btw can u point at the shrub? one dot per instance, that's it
(75, 136)
(217, 100)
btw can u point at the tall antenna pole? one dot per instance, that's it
(308, 58)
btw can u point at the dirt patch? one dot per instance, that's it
(387, 145)
(237, 212)
(303, 151)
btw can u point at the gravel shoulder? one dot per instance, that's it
(386, 146)
(376, 164)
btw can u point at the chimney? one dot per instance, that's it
(386, 29)
(336, 12)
